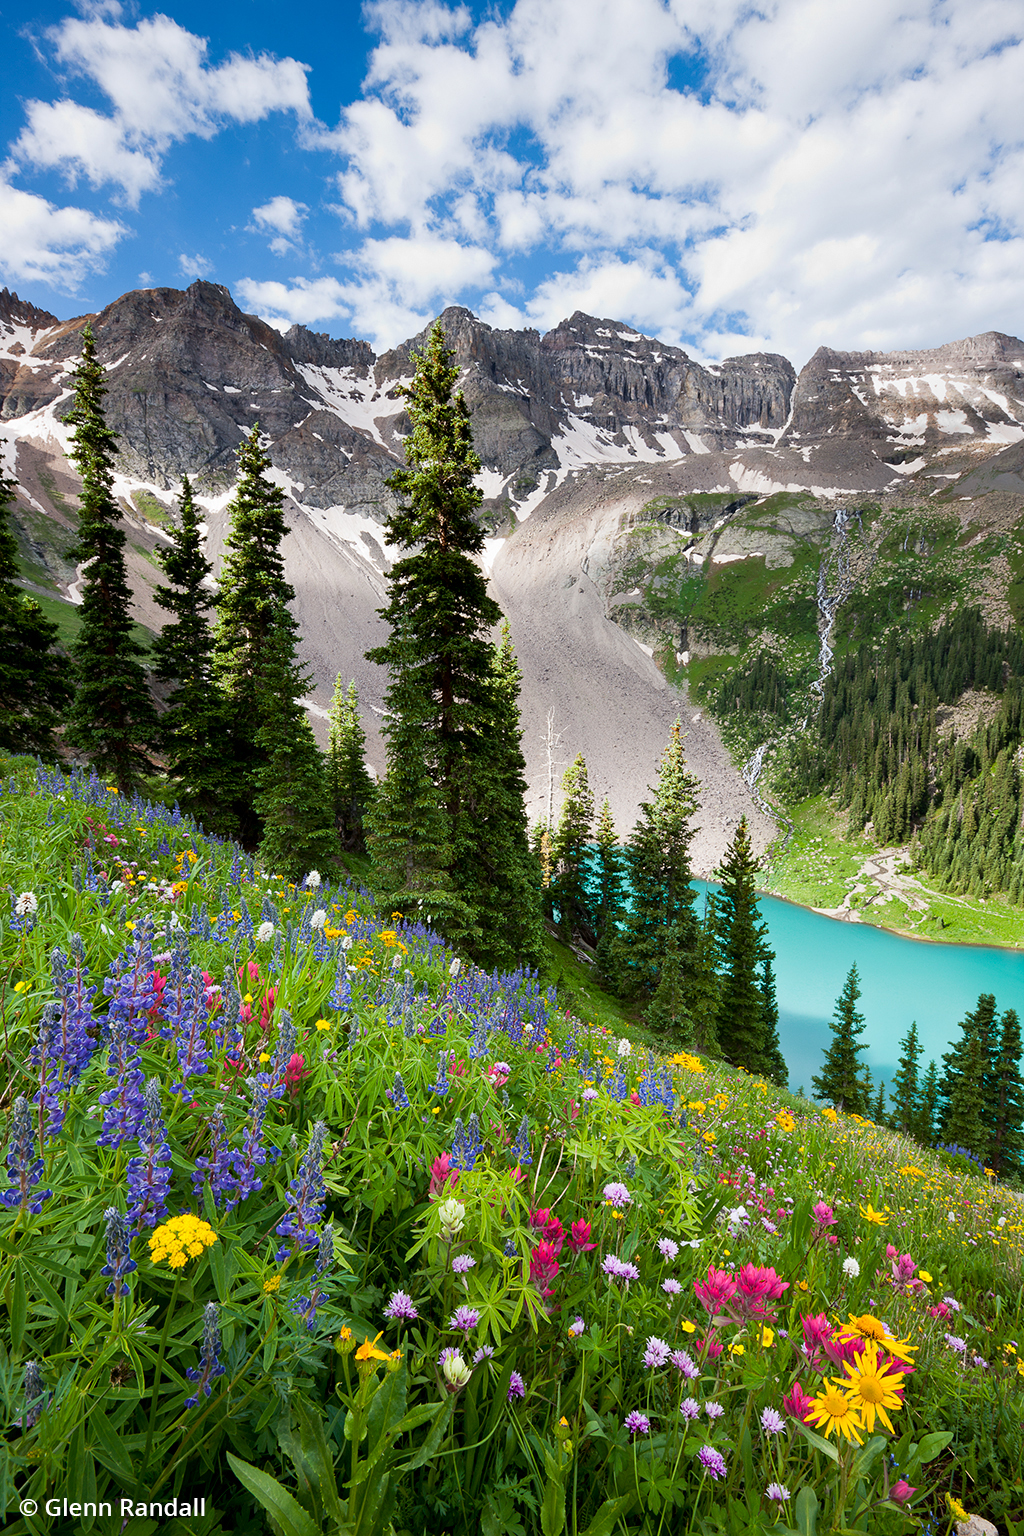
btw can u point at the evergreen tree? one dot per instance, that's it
(1006, 1150)
(906, 1088)
(350, 785)
(192, 726)
(741, 935)
(964, 1124)
(658, 864)
(979, 1024)
(704, 981)
(498, 873)
(571, 853)
(609, 896)
(112, 720)
(292, 798)
(878, 1112)
(35, 677)
(775, 1063)
(667, 1013)
(838, 1081)
(449, 796)
(926, 1119)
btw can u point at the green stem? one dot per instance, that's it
(158, 1373)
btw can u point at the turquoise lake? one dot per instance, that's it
(901, 980)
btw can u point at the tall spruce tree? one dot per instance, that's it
(705, 983)
(1006, 1148)
(609, 895)
(449, 795)
(906, 1086)
(570, 847)
(979, 1023)
(112, 721)
(292, 798)
(926, 1120)
(740, 1020)
(775, 1067)
(256, 635)
(964, 1120)
(192, 726)
(658, 865)
(35, 677)
(838, 1081)
(351, 787)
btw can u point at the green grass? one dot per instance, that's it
(821, 864)
(67, 617)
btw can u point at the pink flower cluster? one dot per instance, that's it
(904, 1272)
(748, 1292)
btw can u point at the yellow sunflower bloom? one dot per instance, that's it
(875, 1331)
(872, 1388)
(877, 1218)
(833, 1412)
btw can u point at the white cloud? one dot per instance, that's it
(194, 266)
(161, 89)
(831, 182)
(284, 215)
(52, 245)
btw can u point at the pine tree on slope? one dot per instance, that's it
(570, 847)
(704, 982)
(838, 1082)
(980, 1022)
(926, 1120)
(256, 635)
(964, 1124)
(192, 725)
(1006, 1148)
(440, 699)
(35, 678)
(349, 782)
(906, 1088)
(608, 896)
(658, 863)
(741, 1005)
(775, 1063)
(112, 720)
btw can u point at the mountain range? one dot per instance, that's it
(608, 458)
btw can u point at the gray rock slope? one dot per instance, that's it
(578, 430)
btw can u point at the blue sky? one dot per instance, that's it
(812, 172)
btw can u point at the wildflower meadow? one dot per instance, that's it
(307, 1225)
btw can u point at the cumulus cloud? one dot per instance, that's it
(826, 171)
(194, 266)
(161, 89)
(284, 216)
(53, 245)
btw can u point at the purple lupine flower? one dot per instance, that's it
(671, 1287)
(191, 1038)
(400, 1308)
(516, 1386)
(637, 1423)
(131, 984)
(618, 1269)
(70, 984)
(464, 1319)
(777, 1493)
(462, 1262)
(217, 1167)
(306, 1197)
(683, 1363)
(149, 1177)
(712, 1461)
(36, 1395)
(24, 1168)
(520, 1149)
(209, 1358)
(441, 1085)
(617, 1195)
(124, 1108)
(253, 1154)
(690, 1409)
(341, 997)
(667, 1248)
(656, 1354)
(714, 1410)
(119, 1261)
(398, 1095)
(772, 1422)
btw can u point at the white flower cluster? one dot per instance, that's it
(264, 933)
(319, 919)
(27, 904)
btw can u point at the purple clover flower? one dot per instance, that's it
(306, 1197)
(464, 1319)
(637, 1423)
(671, 1287)
(690, 1409)
(777, 1493)
(772, 1422)
(516, 1387)
(618, 1269)
(462, 1263)
(400, 1308)
(684, 1364)
(209, 1359)
(576, 1328)
(714, 1410)
(656, 1354)
(485, 1352)
(617, 1196)
(712, 1461)
(667, 1248)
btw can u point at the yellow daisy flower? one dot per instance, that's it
(877, 1218)
(833, 1412)
(872, 1388)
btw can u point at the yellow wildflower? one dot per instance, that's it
(784, 1120)
(923, 1274)
(367, 1351)
(833, 1412)
(323, 1024)
(877, 1218)
(180, 1239)
(956, 1508)
(872, 1388)
(272, 1285)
